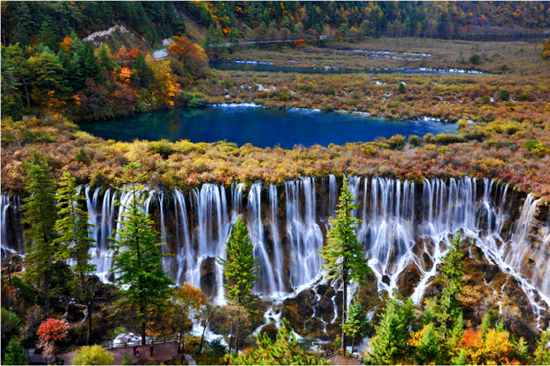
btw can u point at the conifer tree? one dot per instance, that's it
(39, 212)
(142, 71)
(74, 242)
(428, 352)
(452, 270)
(15, 353)
(240, 268)
(389, 346)
(285, 351)
(344, 256)
(137, 257)
(91, 65)
(542, 353)
(356, 322)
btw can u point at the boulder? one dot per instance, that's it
(271, 330)
(208, 277)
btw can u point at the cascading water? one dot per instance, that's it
(304, 234)
(398, 230)
(266, 284)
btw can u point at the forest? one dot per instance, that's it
(409, 249)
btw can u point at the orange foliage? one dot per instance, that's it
(300, 43)
(124, 75)
(66, 44)
(54, 104)
(129, 55)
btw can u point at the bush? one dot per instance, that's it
(401, 88)
(92, 355)
(190, 100)
(536, 147)
(126, 359)
(444, 138)
(163, 148)
(475, 59)
(485, 99)
(141, 107)
(15, 353)
(414, 140)
(504, 95)
(523, 97)
(396, 142)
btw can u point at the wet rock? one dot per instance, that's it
(489, 271)
(208, 277)
(427, 261)
(315, 328)
(111, 277)
(386, 279)
(408, 280)
(271, 330)
(325, 309)
(75, 312)
(322, 290)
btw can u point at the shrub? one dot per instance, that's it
(15, 353)
(523, 97)
(475, 59)
(126, 359)
(92, 355)
(536, 147)
(396, 142)
(163, 148)
(414, 140)
(485, 99)
(444, 138)
(504, 95)
(141, 107)
(401, 88)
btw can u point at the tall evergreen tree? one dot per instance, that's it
(91, 65)
(389, 346)
(39, 212)
(452, 270)
(356, 323)
(142, 71)
(74, 242)
(137, 258)
(241, 270)
(428, 352)
(344, 256)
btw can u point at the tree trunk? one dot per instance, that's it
(27, 93)
(90, 307)
(352, 344)
(47, 292)
(344, 302)
(202, 336)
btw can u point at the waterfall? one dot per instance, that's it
(277, 247)
(304, 234)
(266, 285)
(399, 230)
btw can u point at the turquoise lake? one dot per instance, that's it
(259, 126)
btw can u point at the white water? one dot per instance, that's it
(398, 230)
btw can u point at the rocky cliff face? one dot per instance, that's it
(405, 228)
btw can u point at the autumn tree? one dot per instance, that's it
(542, 352)
(241, 269)
(74, 242)
(137, 257)
(185, 305)
(546, 50)
(92, 355)
(39, 213)
(50, 333)
(235, 320)
(344, 256)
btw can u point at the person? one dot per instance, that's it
(134, 350)
(151, 347)
(137, 351)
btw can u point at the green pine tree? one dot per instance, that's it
(142, 71)
(92, 67)
(356, 323)
(137, 257)
(105, 58)
(241, 271)
(15, 353)
(74, 242)
(452, 270)
(344, 256)
(39, 212)
(389, 346)
(428, 352)
(461, 359)
(285, 351)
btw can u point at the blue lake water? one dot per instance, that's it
(258, 126)
(262, 67)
